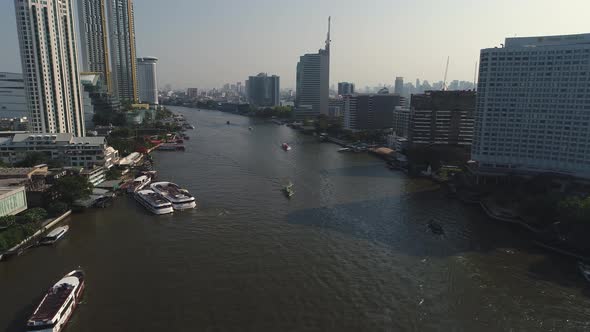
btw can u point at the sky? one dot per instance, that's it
(206, 43)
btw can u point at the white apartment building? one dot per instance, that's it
(533, 106)
(49, 60)
(147, 80)
(72, 151)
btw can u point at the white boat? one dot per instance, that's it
(54, 236)
(180, 198)
(585, 269)
(139, 183)
(286, 147)
(58, 304)
(344, 150)
(154, 202)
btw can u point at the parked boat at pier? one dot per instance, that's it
(54, 236)
(154, 202)
(180, 198)
(58, 304)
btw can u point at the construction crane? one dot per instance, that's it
(444, 86)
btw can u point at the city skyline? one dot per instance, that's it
(365, 51)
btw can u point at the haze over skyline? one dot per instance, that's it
(207, 43)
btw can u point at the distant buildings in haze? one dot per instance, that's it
(147, 80)
(345, 88)
(262, 90)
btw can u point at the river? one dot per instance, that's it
(349, 252)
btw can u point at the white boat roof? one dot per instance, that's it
(146, 191)
(141, 178)
(58, 230)
(74, 281)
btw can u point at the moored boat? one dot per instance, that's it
(180, 198)
(153, 202)
(58, 304)
(54, 236)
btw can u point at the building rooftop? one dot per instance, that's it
(542, 41)
(67, 138)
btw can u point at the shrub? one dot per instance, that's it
(34, 215)
(7, 221)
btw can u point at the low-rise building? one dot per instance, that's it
(95, 175)
(71, 151)
(12, 201)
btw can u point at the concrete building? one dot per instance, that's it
(401, 121)
(72, 151)
(12, 201)
(263, 90)
(49, 58)
(94, 46)
(533, 106)
(121, 29)
(370, 111)
(13, 102)
(147, 80)
(313, 83)
(399, 86)
(336, 107)
(96, 98)
(442, 118)
(345, 88)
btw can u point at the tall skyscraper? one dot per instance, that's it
(49, 60)
(263, 90)
(147, 80)
(533, 106)
(94, 46)
(399, 86)
(345, 88)
(313, 83)
(122, 44)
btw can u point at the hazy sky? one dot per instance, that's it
(205, 43)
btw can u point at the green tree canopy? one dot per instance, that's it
(71, 188)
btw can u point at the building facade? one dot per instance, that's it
(401, 121)
(12, 201)
(121, 29)
(345, 88)
(70, 150)
(313, 83)
(147, 80)
(370, 111)
(49, 58)
(533, 106)
(263, 90)
(442, 118)
(399, 86)
(94, 46)
(192, 93)
(13, 102)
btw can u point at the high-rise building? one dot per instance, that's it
(313, 83)
(345, 88)
(399, 86)
(49, 58)
(401, 121)
(442, 118)
(94, 47)
(147, 80)
(13, 102)
(121, 29)
(263, 90)
(370, 111)
(533, 106)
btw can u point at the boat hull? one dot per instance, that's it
(151, 208)
(184, 206)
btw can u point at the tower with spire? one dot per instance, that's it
(313, 82)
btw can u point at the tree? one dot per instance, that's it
(7, 221)
(57, 208)
(71, 188)
(34, 215)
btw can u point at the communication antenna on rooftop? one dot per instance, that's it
(444, 86)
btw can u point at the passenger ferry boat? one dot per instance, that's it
(154, 202)
(54, 236)
(180, 198)
(59, 303)
(286, 147)
(139, 183)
